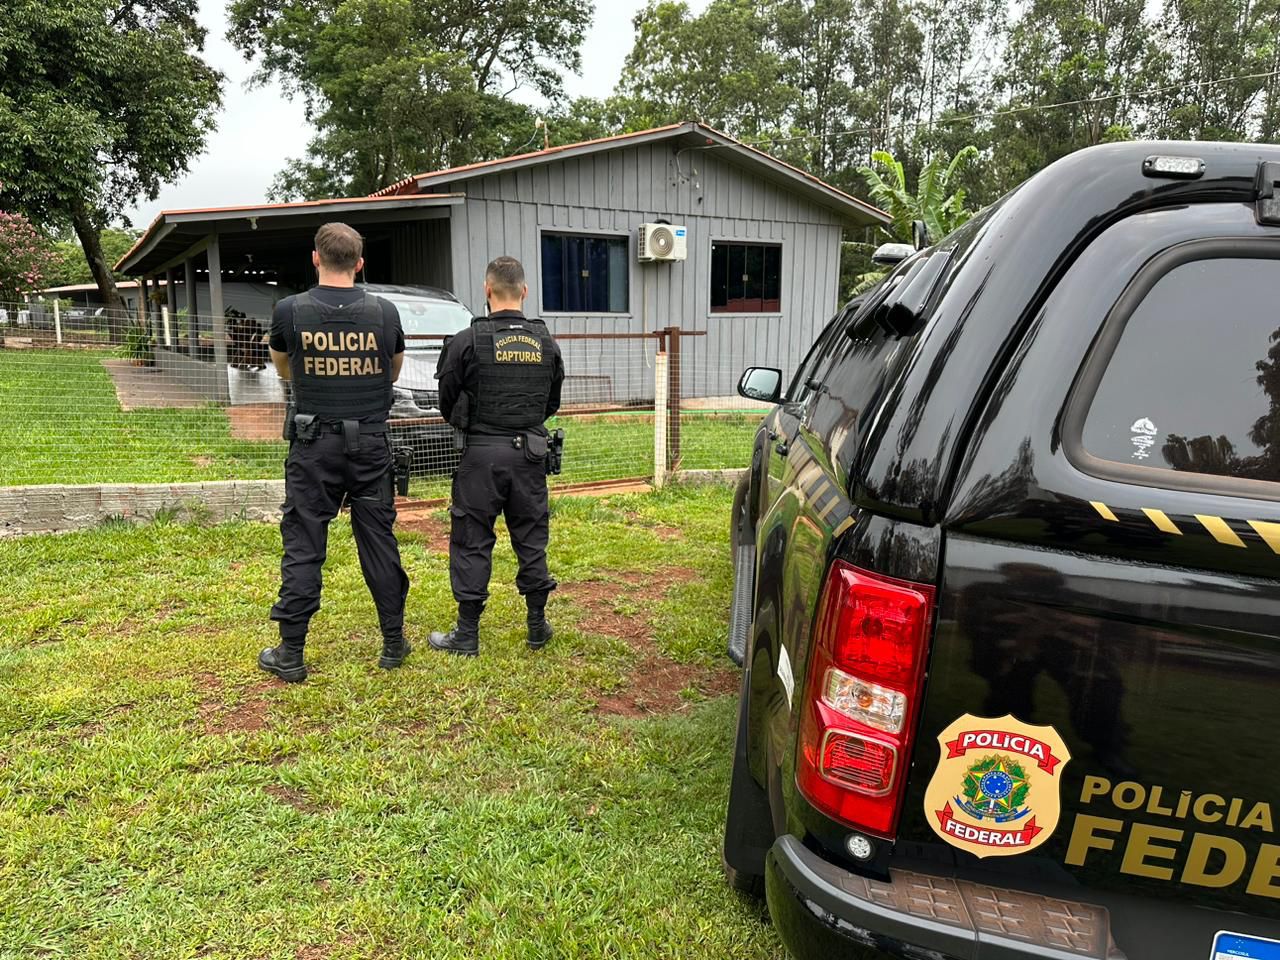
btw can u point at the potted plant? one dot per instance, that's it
(139, 345)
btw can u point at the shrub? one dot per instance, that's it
(138, 343)
(25, 258)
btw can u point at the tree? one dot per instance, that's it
(1206, 45)
(827, 60)
(101, 101)
(25, 257)
(941, 208)
(720, 67)
(1090, 55)
(396, 87)
(70, 265)
(934, 202)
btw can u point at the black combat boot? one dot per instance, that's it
(285, 661)
(463, 639)
(539, 630)
(394, 650)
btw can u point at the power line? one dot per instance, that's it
(1011, 111)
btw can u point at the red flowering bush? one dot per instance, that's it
(25, 257)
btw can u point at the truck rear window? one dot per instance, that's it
(1193, 382)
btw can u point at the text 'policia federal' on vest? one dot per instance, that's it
(347, 343)
(503, 352)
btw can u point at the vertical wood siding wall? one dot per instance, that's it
(615, 191)
(420, 253)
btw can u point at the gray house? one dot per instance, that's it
(753, 269)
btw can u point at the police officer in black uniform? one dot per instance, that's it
(341, 348)
(499, 381)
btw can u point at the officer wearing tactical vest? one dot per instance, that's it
(499, 381)
(342, 348)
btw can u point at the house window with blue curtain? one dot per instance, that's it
(584, 274)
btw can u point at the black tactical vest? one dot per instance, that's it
(515, 364)
(341, 359)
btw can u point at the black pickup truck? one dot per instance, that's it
(1008, 584)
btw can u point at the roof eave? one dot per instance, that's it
(852, 209)
(166, 222)
(487, 168)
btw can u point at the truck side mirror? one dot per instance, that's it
(920, 234)
(761, 383)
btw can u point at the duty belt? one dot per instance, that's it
(351, 431)
(490, 440)
(369, 429)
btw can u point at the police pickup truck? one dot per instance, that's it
(1008, 584)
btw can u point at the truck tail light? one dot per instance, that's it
(866, 671)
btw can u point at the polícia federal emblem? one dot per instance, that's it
(995, 791)
(995, 788)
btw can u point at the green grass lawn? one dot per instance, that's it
(65, 426)
(159, 798)
(621, 447)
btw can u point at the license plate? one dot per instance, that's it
(1238, 946)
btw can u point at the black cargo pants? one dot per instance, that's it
(496, 478)
(317, 476)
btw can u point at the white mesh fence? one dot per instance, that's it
(94, 398)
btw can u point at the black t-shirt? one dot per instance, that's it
(282, 315)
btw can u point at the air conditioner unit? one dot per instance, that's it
(663, 241)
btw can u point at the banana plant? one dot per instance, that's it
(940, 211)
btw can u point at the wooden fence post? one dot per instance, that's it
(673, 398)
(661, 384)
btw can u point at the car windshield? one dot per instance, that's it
(420, 315)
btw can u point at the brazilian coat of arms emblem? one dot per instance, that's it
(995, 791)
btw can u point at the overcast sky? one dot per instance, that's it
(258, 130)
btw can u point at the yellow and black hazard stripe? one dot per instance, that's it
(1217, 527)
(824, 496)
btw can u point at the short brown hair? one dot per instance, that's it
(506, 276)
(339, 246)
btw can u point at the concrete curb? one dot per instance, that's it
(709, 476)
(61, 508)
(58, 508)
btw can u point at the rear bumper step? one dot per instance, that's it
(816, 904)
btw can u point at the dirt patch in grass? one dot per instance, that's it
(170, 607)
(294, 798)
(87, 731)
(256, 421)
(435, 531)
(598, 599)
(220, 718)
(659, 530)
(324, 951)
(660, 580)
(656, 683)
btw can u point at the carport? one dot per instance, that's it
(407, 240)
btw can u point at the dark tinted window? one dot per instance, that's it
(746, 277)
(855, 380)
(584, 274)
(1194, 382)
(814, 358)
